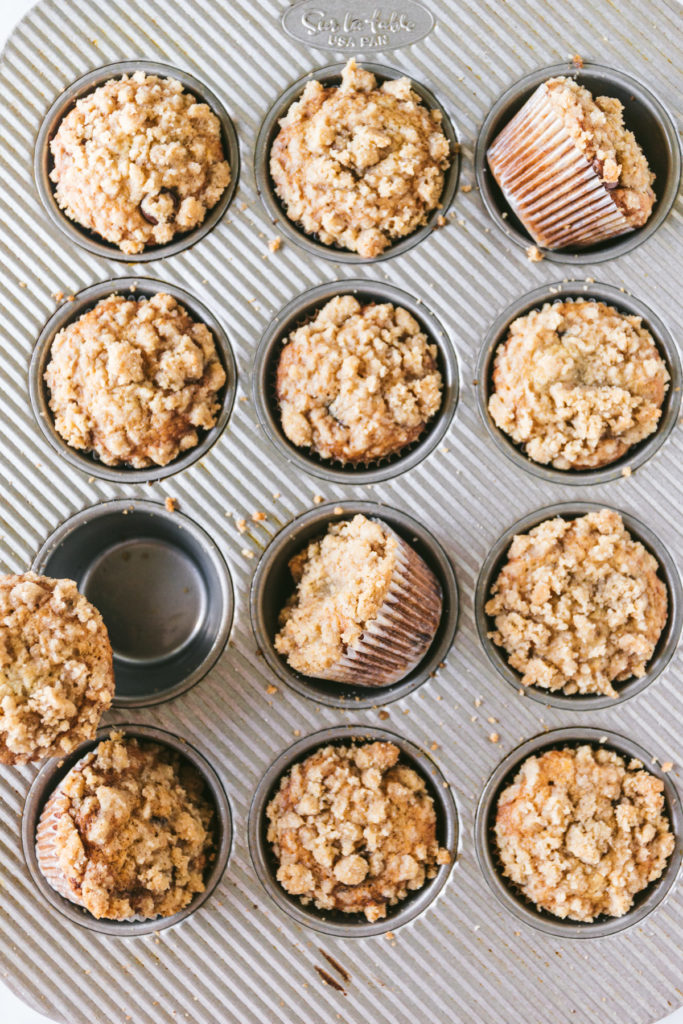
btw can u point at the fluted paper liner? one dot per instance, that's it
(400, 635)
(549, 183)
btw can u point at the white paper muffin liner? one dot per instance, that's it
(549, 182)
(399, 636)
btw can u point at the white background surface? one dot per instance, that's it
(13, 1010)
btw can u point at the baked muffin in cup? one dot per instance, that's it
(570, 170)
(128, 833)
(56, 668)
(366, 606)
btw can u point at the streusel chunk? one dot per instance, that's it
(357, 383)
(56, 670)
(582, 831)
(354, 830)
(578, 606)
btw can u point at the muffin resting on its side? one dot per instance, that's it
(577, 384)
(578, 606)
(570, 169)
(128, 831)
(359, 165)
(366, 606)
(138, 161)
(354, 830)
(581, 832)
(357, 383)
(56, 669)
(134, 381)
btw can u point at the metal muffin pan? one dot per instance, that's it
(90, 240)
(337, 923)
(272, 585)
(666, 644)
(638, 454)
(644, 114)
(163, 589)
(68, 313)
(510, 895)
(328, 76)
(51, 774)
(304, 308)
(243, 958)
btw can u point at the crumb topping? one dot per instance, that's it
(581, 832)
(138, 161)
(578, 606)
(577, 384)
(359, 165)
(354, 830)
(597, 128)
(134, 381)
(357, 383)
(130, 830)
(56, 672)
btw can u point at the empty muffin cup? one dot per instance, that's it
(161, 586)
(43, 164)
(52, 774)
(334, 922)
(508, 893)
(303, 309)
(129, 288)
(644, 115)
(272, 585)
(668, 639)
(624, 303)
(330, 75)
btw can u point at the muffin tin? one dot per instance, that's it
(242, 956)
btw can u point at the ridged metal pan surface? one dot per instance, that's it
(240, 958)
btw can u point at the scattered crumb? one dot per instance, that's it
(384, 715)
(434, 746)
(22, 284)
(318, 499)
(466, 188)
(276, 495)
(577, 60)
(247, 552)
(504, 215)
(626, 471)
(275, 243)
(667, 766)
(478, 701)
(58, 296)
(270, 689)
(534, 254)
(440, 221)
(338, 510)
(244, 398)
(389, 935)
(491, 720)
(241, 525)
(91, 479)
(494, 737)
(259, 517)
(171, 504)
(297, 732)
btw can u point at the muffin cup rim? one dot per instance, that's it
(505, 891)
(668, 573)
(618, 245)
(273, 206)
(66, 314)
(408, 909)
(273, 336)
(54, 771)
(118, 505)
(376, 695)
(87, 83)
(637, 455)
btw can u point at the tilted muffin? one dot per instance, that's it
(359, 165)
(357, 383)
(577, 384)
(354, 830)
(581, 832)
(138, 161)
(578, 605)
(56, 668)
(128, 831)
(135, 381)
(366, 606)
(570, 169)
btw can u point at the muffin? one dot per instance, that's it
(366, 607)
(359, 165)
(581, 832)
(134, 381)
(56, 668)
(570, 169)
(128, 832)
(577, 384)
(357, 383)
(354, 830)
(578, 606)
(139, 161)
